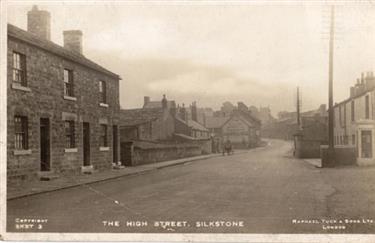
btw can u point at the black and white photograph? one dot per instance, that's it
(245, 121)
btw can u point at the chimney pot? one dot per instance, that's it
(73, 40)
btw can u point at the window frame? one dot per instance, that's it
(103, 91)
(103, 135)
(367, 107)
(19, 69)
(69, 131)
(68, 83)
(21, 132)
(352, 110)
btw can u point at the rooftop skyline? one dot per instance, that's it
(211, 53)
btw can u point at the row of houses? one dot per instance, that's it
(62, 108)
(64, 114)
(354, 119)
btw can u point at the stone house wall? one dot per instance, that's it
(44, 98)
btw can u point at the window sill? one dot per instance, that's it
(20, 87)
(103, 105)
(22, 152)
(70, 98)
(103, 148)
(71, 150)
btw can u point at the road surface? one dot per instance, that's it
(264, 190)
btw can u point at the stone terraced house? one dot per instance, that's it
(354, 120)
(62, 108)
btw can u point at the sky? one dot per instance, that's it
(211, 52)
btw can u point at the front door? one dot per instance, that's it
(86, 144)
(115, 144)
(44, 145)
(366, 140)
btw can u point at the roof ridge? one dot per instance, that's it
(59, 50)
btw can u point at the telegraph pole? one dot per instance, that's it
(298, 110)
(331, 147)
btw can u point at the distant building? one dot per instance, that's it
(354, 119)
(148, 104)
(62, 108)
(241, 128)
(190, 127)
(154, 124)
(265, 116)
(286, 125)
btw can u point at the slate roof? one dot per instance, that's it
(56, 49)
(197, 126)
(186, 137)
(216, 122)
(249, 117)
(157, 104)
(134, 117)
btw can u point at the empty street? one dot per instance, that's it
(264, 190)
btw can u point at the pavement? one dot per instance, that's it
(265, 190)
(65, 181)
(315, 162)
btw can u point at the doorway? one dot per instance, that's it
(366, 140)
(86, 144)
(44, 145)
(115, 144)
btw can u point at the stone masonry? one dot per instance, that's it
(43, 97)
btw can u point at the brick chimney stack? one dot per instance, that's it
(194, 112)
(164, 102)
(73, 40)
(146, 100)
(183, 114)
(39, 23)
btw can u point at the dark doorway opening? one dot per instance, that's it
(86, 144)
(44, 145)
(115, 143)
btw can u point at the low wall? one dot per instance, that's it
(307, 148)
(344, 154)
(140, 152)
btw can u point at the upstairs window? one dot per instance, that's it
(68, 83)
(20, 133)
(367, 106)
(352, 111)
(69, 135)
(19, 69)
(103, 92)
(103, 135)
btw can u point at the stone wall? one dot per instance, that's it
(44, 98)
(142, 152)
(307, 148)
(344, 154)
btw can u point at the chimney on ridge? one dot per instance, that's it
(194, 115)
(164, 102)
(39, 23)
(73, 40)
(146, 100)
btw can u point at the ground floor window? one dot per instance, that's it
(103, 135)
(353, 139)
(21, 132)
(69, 134)
(366, 144)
